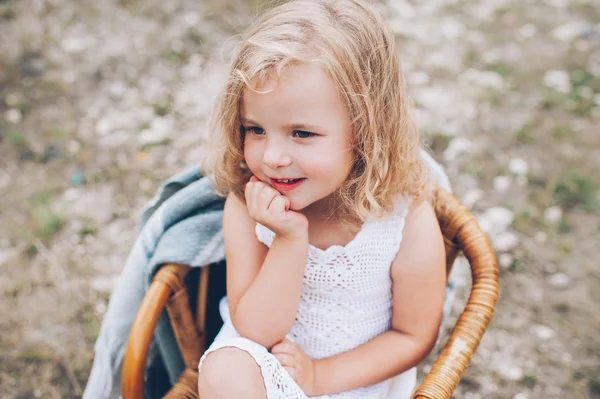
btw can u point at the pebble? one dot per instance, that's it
(518, 166)
(501, 183)
(511, 372)
(104, 283)
(521, 395)
(505, 260)
(496, 219)
(568, 31)
(527, 31)
(558, 80)
(456, 147)
(543, 332)
(13, 115)
(485, 79)
(553, 214)
(559, 280)
(101, 307)
(504, 242)
(471, 197)
(73, 146)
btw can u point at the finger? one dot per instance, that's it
(265, 197)
(254, 193)
(253, 178)
(279, 204)
(285, 347)
(286, 359)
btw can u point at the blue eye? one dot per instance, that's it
(255, 130)
(303, 135)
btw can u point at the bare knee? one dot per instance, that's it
(230, 373)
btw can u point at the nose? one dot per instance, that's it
(276, 154)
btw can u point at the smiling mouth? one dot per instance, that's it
(285, 185)
(287, 181)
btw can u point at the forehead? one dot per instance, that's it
(303, 92)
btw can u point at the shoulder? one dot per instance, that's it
(422, 246)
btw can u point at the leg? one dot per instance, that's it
(230, 373)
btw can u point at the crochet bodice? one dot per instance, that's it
(347, 290)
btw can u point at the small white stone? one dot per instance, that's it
(487, 79)
(73, 146)
(37, 393)
(553, 214)
(521, 395)
(558, 80)
(471, 197)
(101, 307)
(501, 183)
(527, 31)
(541, 237)
(505, 242)
(500, 217)
(104, 126)
(543, 332)
(505, 260)
(72, 194)
(568, 31)
(518, 166)
(597, 99)
(577, 125)
(3, 258)
(457, 146)
(104, 283)
(117, 89)
(13, 115)
(559, 280)
(191, 19)
(511, 372)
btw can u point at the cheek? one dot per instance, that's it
(252, 156)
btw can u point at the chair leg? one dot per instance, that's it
(186, 387)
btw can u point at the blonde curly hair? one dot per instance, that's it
(350, 40)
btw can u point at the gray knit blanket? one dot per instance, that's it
(181, 224)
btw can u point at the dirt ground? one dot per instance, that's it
(100, 101)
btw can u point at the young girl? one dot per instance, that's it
(335, 260)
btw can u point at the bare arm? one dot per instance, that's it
(263, 285)
(419, 278)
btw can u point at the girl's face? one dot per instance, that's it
(301, 132)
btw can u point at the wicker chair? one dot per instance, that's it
(461, 233)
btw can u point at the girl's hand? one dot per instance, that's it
(297, 363)
(271, 209)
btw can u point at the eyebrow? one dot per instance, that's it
(247, 121)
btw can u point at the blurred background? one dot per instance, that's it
(100, 101)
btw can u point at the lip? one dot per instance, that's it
(285, 187)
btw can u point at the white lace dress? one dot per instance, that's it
(346, 301)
